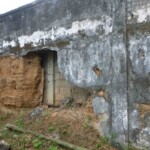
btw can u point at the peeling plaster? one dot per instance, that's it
(142, 14)
(58, 33)
(6, 43)
(97, 41)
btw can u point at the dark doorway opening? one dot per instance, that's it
(47, 63)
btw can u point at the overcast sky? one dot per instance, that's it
(7, 5)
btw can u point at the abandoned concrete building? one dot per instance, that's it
(52, 49)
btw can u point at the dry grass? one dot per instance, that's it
(71, 125)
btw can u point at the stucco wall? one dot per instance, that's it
(64, 88)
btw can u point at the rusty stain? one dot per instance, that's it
(143, 109)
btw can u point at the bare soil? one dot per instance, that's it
(73, 125)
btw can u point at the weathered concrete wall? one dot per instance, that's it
(64, 88)
(138, 33)
(139, 84)
(102, 45)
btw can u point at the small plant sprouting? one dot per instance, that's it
(20, 123)
(50, 129)
(98, 145)
(53, 148)
(5, 132)
(37, 143)
(104, 140)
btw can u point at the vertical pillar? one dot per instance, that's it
(49, 78)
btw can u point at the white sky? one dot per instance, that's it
(7, 5)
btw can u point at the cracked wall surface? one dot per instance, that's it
(101, 46)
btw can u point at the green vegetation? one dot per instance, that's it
(53, 148)
(37, 143)
(104, 140)
(5, 116)
(64, 126)
(20, 123)
(50, 129)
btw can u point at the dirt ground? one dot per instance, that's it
(73, 125)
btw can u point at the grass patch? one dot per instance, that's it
(20, 123)
(51, 129)
(5, 116)
(37, 143)
(53, 148)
